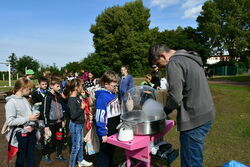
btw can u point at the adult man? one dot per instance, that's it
(190, 95)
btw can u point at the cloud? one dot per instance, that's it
(192, 8)
(164, 3)
(190, 4)
(192, 12)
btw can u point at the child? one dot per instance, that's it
(39, 94)
(107, 116)
(37, 99)
(76, 109)
(20, 119)
(147, 81)
(53, 111)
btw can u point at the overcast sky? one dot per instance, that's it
(57, 31)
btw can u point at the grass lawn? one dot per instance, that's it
(229, 138)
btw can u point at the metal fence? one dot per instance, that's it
(229, 70)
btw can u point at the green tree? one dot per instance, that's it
(122, 37)
(225, 24)
(13, 62)
(27, 62)
(72, 67)
(188, 38)
(94, 64)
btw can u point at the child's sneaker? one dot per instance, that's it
(61, 159)
(84, 163)
(46, 159)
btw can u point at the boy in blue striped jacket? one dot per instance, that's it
(107, 116)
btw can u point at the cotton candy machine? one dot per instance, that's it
(141, 112)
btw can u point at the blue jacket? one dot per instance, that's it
(107, 107)
(125, 84)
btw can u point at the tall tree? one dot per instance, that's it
(13, 61)
(72, 67)
(27, 62)
(225, 24)
(122, 36)
(94, 64)
(188, 38)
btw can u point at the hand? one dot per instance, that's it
(63, 124)
(33, 117)
(173, 114)
(104, 139)
(28, 128)
(46, 130)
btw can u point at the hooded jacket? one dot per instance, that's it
(107, 113)
(53, 109)
(37, 97)
(188, 91)
(17, 111)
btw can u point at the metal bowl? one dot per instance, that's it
(144, 124)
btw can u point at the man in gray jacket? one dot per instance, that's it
(190, 95)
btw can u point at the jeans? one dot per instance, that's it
(26, 149)
(76, 131)
(192, 142)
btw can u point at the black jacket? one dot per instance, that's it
(76, 113)
(37, 97)
(53, 108)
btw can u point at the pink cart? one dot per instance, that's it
(139, 147)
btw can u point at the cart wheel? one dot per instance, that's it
(124, 164)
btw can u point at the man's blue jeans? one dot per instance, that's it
(76, 154)
(192, 142)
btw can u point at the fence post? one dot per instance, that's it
(3, 77)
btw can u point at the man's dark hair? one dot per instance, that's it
(42, 79)
(155, 51)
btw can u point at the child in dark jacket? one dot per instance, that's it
(53, 111)
(37, 99)
(76, 109)
(107, 116)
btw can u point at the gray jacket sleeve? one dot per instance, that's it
(12, 118)
(176, 83)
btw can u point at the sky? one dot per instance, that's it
(57, 31)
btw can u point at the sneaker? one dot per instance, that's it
(61, 159)
(84, 163)
(46, 159)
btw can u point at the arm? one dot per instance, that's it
(11, 115)
(101, 117)
(130, 83)
(46, 110)
(34, 97)
(176, 83)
